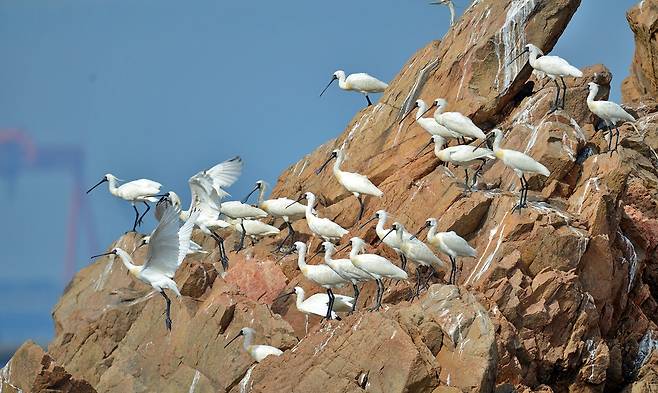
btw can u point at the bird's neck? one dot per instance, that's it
(342, 82)
(310, 204)
(496, 142)
(338, 163)
(112, 185)
(438, 145)
(381, 223)
(301, 259)
(439, 111)
(422, 108)
(300, 299)
(452, 13)
(431, 232)
(261, 195)
(533, 58)
(399, 234)
(356, 249)
(592, 93)
(128, 262)
(248, 339)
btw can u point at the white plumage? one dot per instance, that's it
(429, 124)
(318, 303)
(284, 208)
(462, 155)
(322, 275)
(449, 243)
(257, 352)
(253, 228)
(346, 269)
(377, 266)
(323, 227)
(455, 121)
(220, 176)
(140, 190)
(360, 82)
(552, 66)
(168, 245)
(391, 241)
(521, 163)
(610, 112)
(355, 183)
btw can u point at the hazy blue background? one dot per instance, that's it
(161, 89)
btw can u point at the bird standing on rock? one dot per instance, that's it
(361, 82)
(353, 182)
(611, 113)
(168, 245)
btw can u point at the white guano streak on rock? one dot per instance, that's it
(630, 255)
(195, 381)
(245, 385)
(500, 230)
(512, 39)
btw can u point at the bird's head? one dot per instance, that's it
(300, 246)
(114, 251)
(592, 86)
(339, 74)
(105, 178)
(245, 331)
(334, 154)
(175, 200)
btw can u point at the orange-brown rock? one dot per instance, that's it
(562, 297)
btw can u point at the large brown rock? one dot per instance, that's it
(642, 83)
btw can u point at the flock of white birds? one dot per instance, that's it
(170, 242)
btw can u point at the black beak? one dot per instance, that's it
(285, 255)
(233, 339)
(97, 184)
(421, 230)
(343, 248)
(519, 55)
(279, 297)
(102, 255)
(423, 149)
(333, 78)
(248, 195)
(428, 109)
(298, 200)
(368, 222)
(385, 236)
(316, 253)
(317, 171)
(408, 113)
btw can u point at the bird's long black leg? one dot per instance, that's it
(136, 219)
(291, 230)
(368, 99)
(403, 260)
(430, 273)
(417, 294)
(525, 191)
(380, 291)
(466, 179)
(331, 303)
(139, 221)
(242, 236)
(167, 310)
(223, 258)
(453, 270)
(356, 296)
(564, 92)
(361, 207)
(616, 140)
(557, 97)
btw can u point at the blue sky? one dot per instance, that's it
(161, 89)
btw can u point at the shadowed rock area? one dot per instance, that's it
(561, 297)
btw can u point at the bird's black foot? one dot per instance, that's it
(168, 323)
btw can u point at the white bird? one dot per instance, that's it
(361, 82)
(253, 228)
(257, 352)
(167, 248)
(194, 247)
(461, 155)
(355, 183)
(428, 123)
(323, 227)
(448, 243)
(318, 304)
(208, 221)
(283, 208)
(611, 113)
(554, 67)
(391, 241)
(377, 266)
(521, 163)
(221, 175)
(417, 252)
(450, 6)
(455, 121)
(322, 275)
(141, 190)
(346, 269)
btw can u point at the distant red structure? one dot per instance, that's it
(19, 153)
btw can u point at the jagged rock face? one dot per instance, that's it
(561, 297)
(642, 83)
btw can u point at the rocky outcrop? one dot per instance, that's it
(642, 83)
(561, 297)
